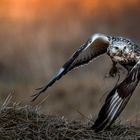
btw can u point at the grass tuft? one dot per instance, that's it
(17, 122)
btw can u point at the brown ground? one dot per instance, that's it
(26, 123)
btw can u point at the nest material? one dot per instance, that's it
(19, 123)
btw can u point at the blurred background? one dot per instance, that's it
(36, 39)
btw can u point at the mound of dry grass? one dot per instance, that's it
(17, 122)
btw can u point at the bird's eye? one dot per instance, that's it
(125, 47)
(116, 48)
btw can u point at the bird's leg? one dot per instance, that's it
(113, 71)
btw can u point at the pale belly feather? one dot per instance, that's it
(124, 58)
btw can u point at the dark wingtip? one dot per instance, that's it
(35, 96)
(97, 129)
(39, 88)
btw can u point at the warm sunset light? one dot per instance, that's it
(32, 9)
(37, 37)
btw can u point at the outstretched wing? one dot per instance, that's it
(94, 46)
(117, 100)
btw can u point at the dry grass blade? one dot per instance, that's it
(17, 122)
(7, 101)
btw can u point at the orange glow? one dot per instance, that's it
(32, 9)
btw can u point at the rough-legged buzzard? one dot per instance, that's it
(121, 50)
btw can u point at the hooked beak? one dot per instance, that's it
(120, 52)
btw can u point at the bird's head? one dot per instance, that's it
(119, 48)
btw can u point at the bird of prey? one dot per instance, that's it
(121, 50)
